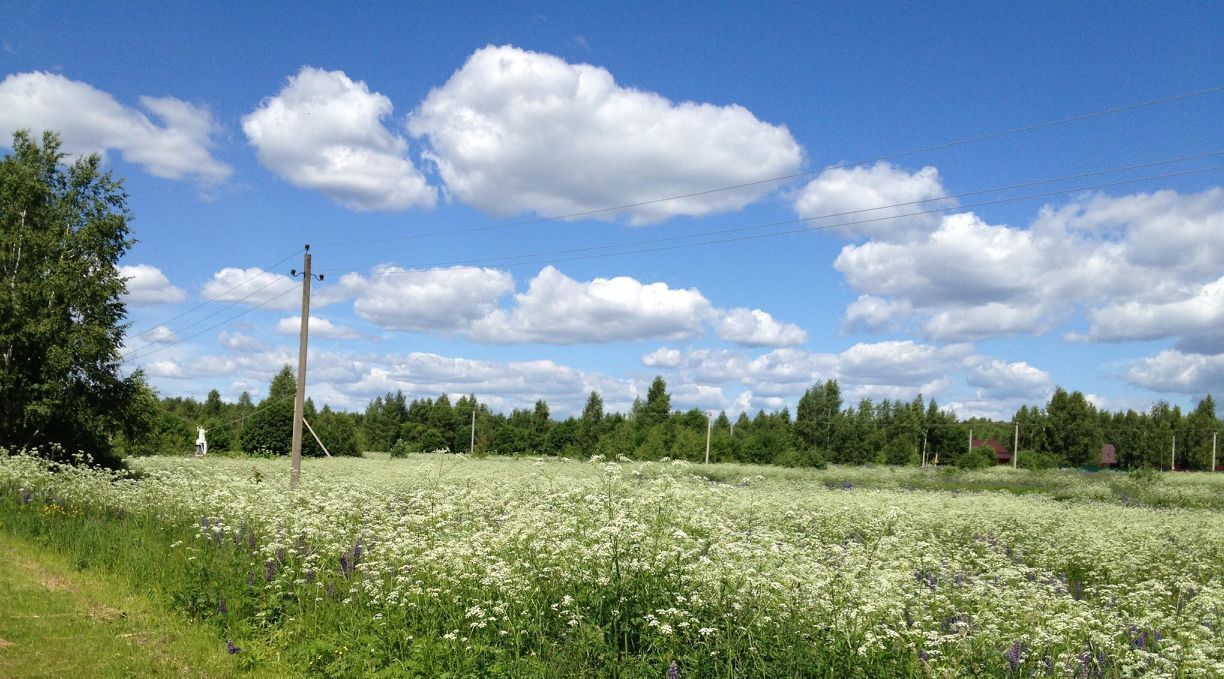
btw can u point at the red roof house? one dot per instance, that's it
(1002, 454)
(1109, 455)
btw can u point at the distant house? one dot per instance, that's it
(1002, 454)
(1109, 455)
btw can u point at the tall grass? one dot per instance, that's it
(440, 566)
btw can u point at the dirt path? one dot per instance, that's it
(56, 621)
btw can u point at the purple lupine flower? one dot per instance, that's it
(673, 670)
(221, 607)
(310, 576)
(1077, 590)
(280, 555)
(204, 523)
(1085, 659)
(345, 568)
(217, 538)
(270, 570)
(25, 496)
(1049, 665)
(250, 580)
(1013, 656)
(330, 590)
(357, 552)
(231, 647)
(250, 541)
(922, 655)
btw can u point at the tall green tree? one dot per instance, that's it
(63, 229)
(1073, 428)
(657, 407)
(270, 429)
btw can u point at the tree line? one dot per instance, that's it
(1068, 431)
(64, 227)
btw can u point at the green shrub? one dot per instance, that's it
(1031, 459)
(810, 457)
(978, 458)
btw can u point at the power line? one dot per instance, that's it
(212, 299)
(140, 355)
(223, 308)
(261, 408)
(552, 256)
(921, 149)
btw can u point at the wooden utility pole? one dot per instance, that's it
(1016, 449)
(1173, 455)
(472, 447)
(299, 402)
(924, 441)
(1213, 449)
(971, 439)
(709, 433)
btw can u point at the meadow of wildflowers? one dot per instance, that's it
(443, 566)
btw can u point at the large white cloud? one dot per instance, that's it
(92, 121)
(435, 300)
(554, 309)
(324, 132)
(871, 314)
(1144, 266)
(147, 285)
(557, 309)
(514, 131)
(756, 328)
(861, 193)
(319, 327)
(253, 286)
(996, 380)
(1177, 372)
(1201, 312)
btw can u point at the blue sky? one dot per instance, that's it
(419, 149)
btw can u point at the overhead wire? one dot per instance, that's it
(781, 178)
(558, 255)
(214, 298)
(274, 281)
(141, 354)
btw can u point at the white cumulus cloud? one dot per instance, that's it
(324, 132)
(254, 286)
(1143, 266)
(756, 328)
(147, 285)
(159, 335)
(434, 300)
(319, 327)
(518, 131)
(1177, 372)
(864, 194)
(92, 121)
(663, 357)
(557, 309)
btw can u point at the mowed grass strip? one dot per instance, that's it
(56, 621)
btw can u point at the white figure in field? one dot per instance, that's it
(201, 442)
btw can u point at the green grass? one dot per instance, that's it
(440, 566)
(59, 621)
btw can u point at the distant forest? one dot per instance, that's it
(1066, 432)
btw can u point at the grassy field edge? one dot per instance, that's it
(60, 620)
